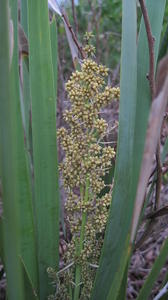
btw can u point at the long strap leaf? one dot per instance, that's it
(54, 49)
(44, 140)
(115, 251)
(17, 231)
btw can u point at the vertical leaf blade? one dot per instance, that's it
(23, 184)
(54, 50)
(44, 139)
(115, 252)
(25, 75)
(17, 230)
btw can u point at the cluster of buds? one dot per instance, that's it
(85, 161)
(89, 49)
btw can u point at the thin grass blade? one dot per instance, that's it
(54, 51)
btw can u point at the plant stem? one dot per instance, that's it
(151, 78)
(80, 246)
(70, 292)
(151, 41)
(74, 17)
(159, 177)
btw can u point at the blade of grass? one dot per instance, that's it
(9, 163)
(158, 264)
(24, 199)
(24, 16)
(25, 75)
(44, 140)
(25, 91)
(123, 288)
(30, 292)
(115, 251)
(54, 50)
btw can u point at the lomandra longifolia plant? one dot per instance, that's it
(86, 163)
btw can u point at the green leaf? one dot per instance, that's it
(24, 16)
(115, 252)
(54, 49)
(44, 140)
(24, 199)
(134, 111)
(18, 231)
(25, 89)
(10, 227)
(158, 264)
(30, 292)
(123, 287)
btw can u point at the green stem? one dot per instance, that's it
(79, 247)
(70, 292)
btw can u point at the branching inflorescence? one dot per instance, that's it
(83, 169)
